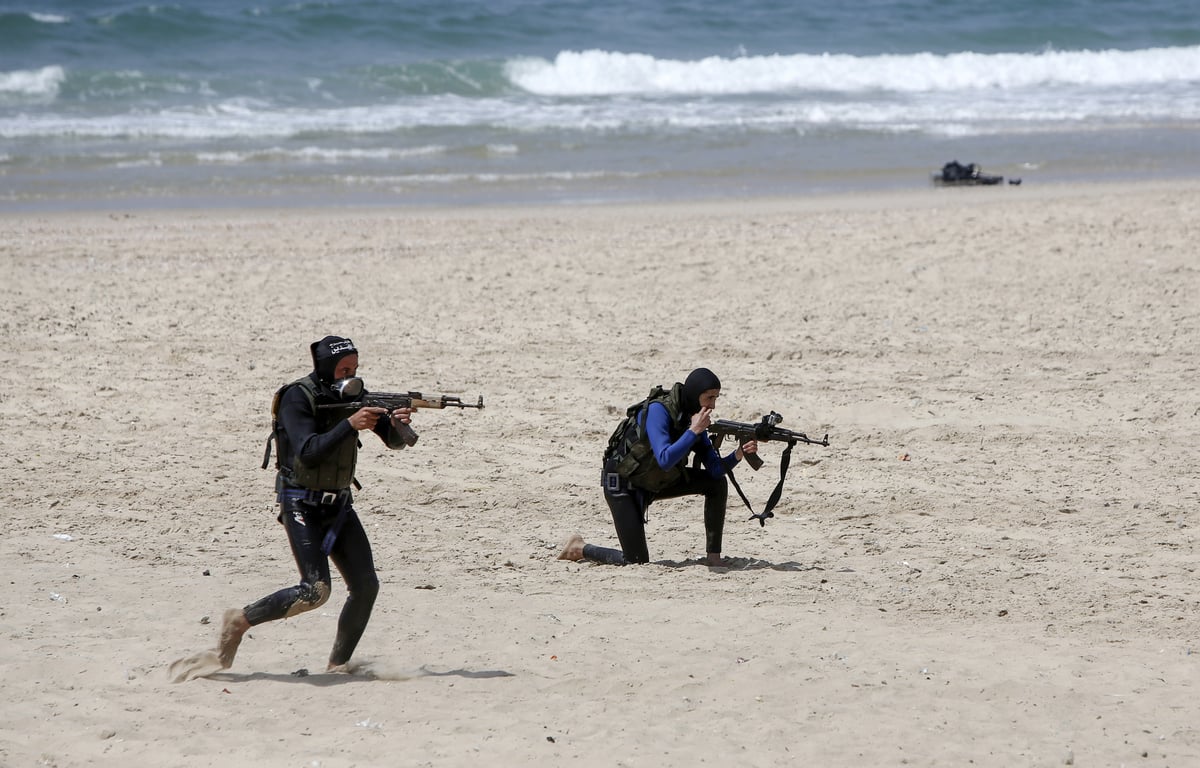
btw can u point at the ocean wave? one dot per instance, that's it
(316, 155)
(488, 178)
(607, 73)
(530, 84)
(38, 83)
(931, 113)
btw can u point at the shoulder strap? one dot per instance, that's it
(274, 436)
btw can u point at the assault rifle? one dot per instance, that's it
(393, 400)
(353, 388)
(766, 430)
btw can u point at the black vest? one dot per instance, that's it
(336, 472)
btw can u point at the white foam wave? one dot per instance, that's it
(43, 82)
(316, 155)
(49, 18)
(606, 73)
(487, 178)
(939, 112)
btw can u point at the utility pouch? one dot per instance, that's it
(628, 463)
(650, 477)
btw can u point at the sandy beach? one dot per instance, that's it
(993, 564)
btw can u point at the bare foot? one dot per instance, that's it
(573, 549)
(233, 626)
(716, 561)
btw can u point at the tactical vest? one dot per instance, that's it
(629, 447)
(336, 471)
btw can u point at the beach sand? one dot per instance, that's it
(992, 564)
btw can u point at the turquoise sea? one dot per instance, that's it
(383, 102)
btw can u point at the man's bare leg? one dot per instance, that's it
(573, 549)
(233, 626)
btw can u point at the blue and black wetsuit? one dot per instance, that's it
(629, 503)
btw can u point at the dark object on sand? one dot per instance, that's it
(955, 174)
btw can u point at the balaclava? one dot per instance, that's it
(697, 383)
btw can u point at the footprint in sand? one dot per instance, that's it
(201, 664)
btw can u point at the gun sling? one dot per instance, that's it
(784, 461)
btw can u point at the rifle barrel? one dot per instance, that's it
(743, 429)
(409, 400)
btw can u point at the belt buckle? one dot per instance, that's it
(329, 497)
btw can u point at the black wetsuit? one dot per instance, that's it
(309, 517)
(628, 509)
(307, 524)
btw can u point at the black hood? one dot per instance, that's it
(327, 352)
(697, 383)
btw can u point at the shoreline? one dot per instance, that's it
(769, 166)
(859, 200)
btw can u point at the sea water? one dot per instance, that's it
(466, 102)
